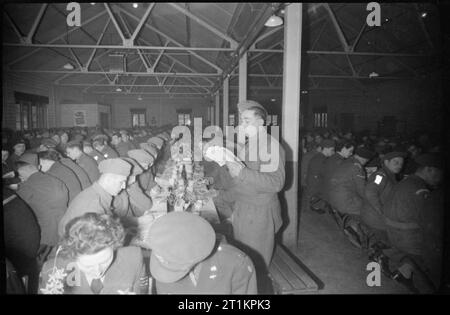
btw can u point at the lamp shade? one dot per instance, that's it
(273, 21)
(68, 66)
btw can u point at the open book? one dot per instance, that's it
(221, 155)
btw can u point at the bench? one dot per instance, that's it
(288, 274)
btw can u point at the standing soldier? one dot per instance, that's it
(347, 187)
(406, 221)
(74, 152)
(256, 210)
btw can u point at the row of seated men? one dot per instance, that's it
(389, 204)
(69, 220)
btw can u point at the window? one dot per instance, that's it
(320, 120)
(272, 120)
(184, 117)
(138, 118)
(231, 119)
(31, 111)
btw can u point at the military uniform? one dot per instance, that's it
(93, 199)
(227, 271)
(89, 165)
(67, 176)
(12, 159)
(315, 175)
(83, 178)
(378, 191)
(123, 147)
(330, 165)
(109, 153)
(146, 181)
(48, 197)
(347, 187)
(126, 274)
(256, 210)
(132, 202)
(405, 213)
(97, 156)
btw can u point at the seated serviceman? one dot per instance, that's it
(81, 174)
(121, 147)
(314, 176)
(132, 201)
(127, 141)
(100, 143)
(99, 196)
(46, 195)
(146, 179)
(344, 149)
(48, 161)
(89, 150)
(187, 259)
(377, 191)
(21, 237)
(346, 194)
(92, 255)
(74, 151)
(406, 222)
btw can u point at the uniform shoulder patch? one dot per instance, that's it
(378, 179)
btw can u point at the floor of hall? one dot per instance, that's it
(337, 264)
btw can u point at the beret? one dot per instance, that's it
(49, 142)
(115, 166)
(431, 160)
(394, 154)
(364, 153)
(141, 156)
(30, 158)
(327, 143)
(136, 169)
(149, 148)
(246, 104)
(178, 241)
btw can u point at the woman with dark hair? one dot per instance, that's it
(91, 259)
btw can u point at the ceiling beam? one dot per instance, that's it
(14, 26)
(36, 22)
(113, 18)
(91, 57)
(139, 85)
(192, 74)
(191, 51)
(59, 37)
(204, 24)
(142, 21)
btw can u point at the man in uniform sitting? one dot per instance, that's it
(74, 151)
(188, 259)
(407, 226)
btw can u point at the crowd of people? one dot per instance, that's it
(385, 194)
(75, 197)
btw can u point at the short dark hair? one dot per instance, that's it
(259, 112)
(90, 233)
(52, 155)
(344, 144)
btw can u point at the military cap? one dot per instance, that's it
(178, 240)
(149, 148)
(30, 158)
(157, 141)
(136, 169)
(78, 137)
(394, 154)
(327, 143)
(375, 162)
(18, 141)
(141, 156)
(246, 104)
(100, 137)
(74, 143)
(364, 153)
(430, 160)
(49, 142)
(115, 166)
(87, 143)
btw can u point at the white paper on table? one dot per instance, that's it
(221, 155)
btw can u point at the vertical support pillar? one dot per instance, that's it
(291, 117)
(243, 77)
(226, 98)
(217, 110)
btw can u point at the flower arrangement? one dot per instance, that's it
(55, 282)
